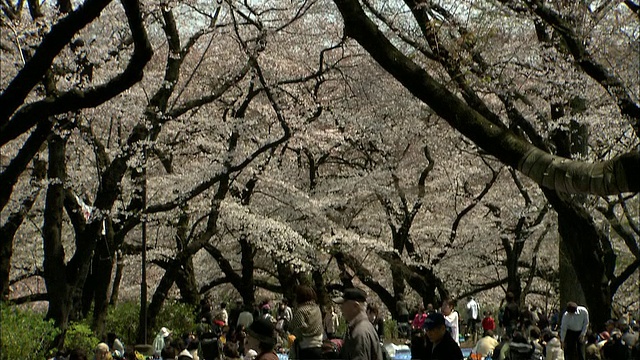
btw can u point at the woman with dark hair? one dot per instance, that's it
(378, 323)
(451, 318)
(306, 325)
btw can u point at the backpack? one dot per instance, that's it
(521, 351)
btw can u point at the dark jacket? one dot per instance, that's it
(361, 341)
(447, 349)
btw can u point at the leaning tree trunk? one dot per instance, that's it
(9, 228)
(117, 279)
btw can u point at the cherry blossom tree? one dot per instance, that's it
(455, 47)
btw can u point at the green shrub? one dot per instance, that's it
(25, 334)
(390, 329)
(124, 320)
(177, 317)
(80, 336)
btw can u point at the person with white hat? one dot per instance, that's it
(160, 339)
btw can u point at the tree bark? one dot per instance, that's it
(569, 143)
(592, 262)
(115, 288)
(58, 280)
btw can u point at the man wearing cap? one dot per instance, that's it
(573, 330)
(441, 345)
(361, 341)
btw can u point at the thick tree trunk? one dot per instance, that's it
(186, 280)
(324, 299)
(102, 269)
(591, 260)
(397, 276)
(288, 280)
(59, 286)
(247, 288)
(187, 284)
(569, 144)
(570, 289)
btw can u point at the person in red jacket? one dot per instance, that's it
(488, 323)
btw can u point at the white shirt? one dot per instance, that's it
(574, 322)
(451, 321)
(472, 309)
(224, 316)
(288, 313)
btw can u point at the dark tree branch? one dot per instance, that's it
(58, 37)
(576, 46)
(28, 115)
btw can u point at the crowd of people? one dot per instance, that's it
(302, 331)
(264, 333)
(516, 334)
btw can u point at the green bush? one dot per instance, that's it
(177, 317)
(124, 320)
(25, 334)
(80, 336)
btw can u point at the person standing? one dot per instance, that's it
(288, 312)
(378, 323)
(452, 319)
(488, 323)
(331, 323)
(473, 317)
(403, 316)
(223, 315)
(511, 314)
(245, 318)
(441, 346)
(161, 339)
(361, 341)
(573, 329)
(306, 325)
